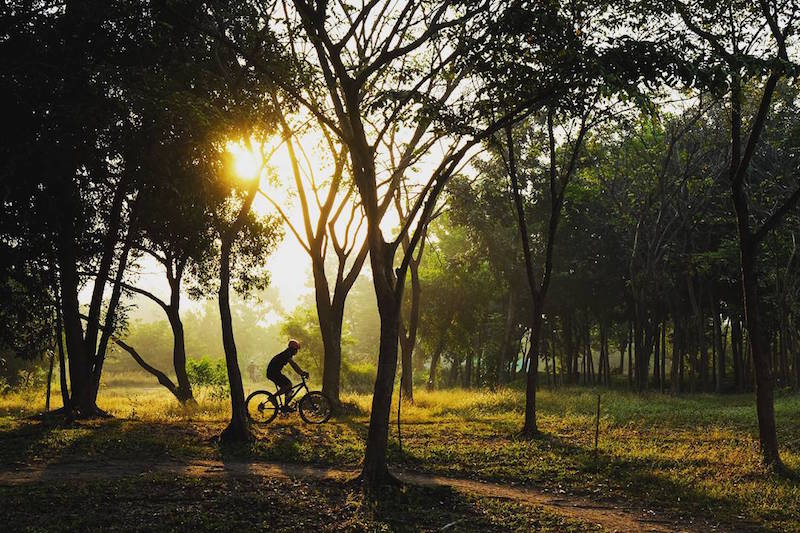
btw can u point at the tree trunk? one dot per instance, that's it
(547, 352)
(736, 351)
(238, 429)
(623, 347)
(478, 381)
(179, 356)
(761, 365)
(530, 428)
(110, 318)
(748, 254)
(467, 382)
(330, 325)
(81, 400)
(437, 353)
(103, 270)
(62, 364)
(663, 378)
(719, 384)
(375, 471)
(657, 357)
(49, 381)
(408, 338)
(505, 344)
(674, 380)
(630, 355)
(330, 312)
(587, 342)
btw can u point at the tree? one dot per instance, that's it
(558, 176)
(238, 229)
(364, 66)
(321, 227)
(64, 172)
(735, 42)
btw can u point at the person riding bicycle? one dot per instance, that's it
(275, 369)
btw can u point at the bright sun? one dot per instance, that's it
(247, 163)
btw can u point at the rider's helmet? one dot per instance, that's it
(294, 344)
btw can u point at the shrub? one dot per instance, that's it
(208, 374)
(358, 377)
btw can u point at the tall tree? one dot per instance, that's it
(559, 174)
(739, 42)
(375, 64)
(333, 219)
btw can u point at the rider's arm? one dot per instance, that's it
(296, 367)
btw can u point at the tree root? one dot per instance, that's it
(236, 435)
(375, 485)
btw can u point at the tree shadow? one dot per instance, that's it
(628, 483)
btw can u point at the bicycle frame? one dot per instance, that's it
(292, 394)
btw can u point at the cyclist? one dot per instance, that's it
(275, 370)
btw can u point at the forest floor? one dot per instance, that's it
(663, 463)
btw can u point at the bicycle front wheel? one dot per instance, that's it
(262, 407)
(315, 408)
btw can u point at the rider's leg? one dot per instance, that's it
(284, 387)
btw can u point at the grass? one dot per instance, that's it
(692, 458)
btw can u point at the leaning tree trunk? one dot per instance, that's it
(238, 429)
(62, 364)
(184, 389)
(110, 318)
(178, 340)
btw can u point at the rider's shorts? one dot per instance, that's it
(277, 377)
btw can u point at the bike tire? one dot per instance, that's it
(315, 408)
(262, 407)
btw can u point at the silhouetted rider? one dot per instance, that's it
(275, 369)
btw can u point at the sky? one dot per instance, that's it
(289, 265)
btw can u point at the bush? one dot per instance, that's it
(358, 377)
(208, 374)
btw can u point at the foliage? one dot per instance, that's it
(358, 377)
(210, 374)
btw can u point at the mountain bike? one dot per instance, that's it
(314, 407)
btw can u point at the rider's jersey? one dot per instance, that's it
(280, 360)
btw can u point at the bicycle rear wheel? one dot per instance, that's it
(262, 407)
(315, 408)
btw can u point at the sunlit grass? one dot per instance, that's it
(695, 454)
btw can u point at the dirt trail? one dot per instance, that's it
(611, 518)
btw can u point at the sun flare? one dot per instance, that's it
(247, 163)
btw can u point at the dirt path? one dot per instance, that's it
(610, 517)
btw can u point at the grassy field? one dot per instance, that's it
(690, 458)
